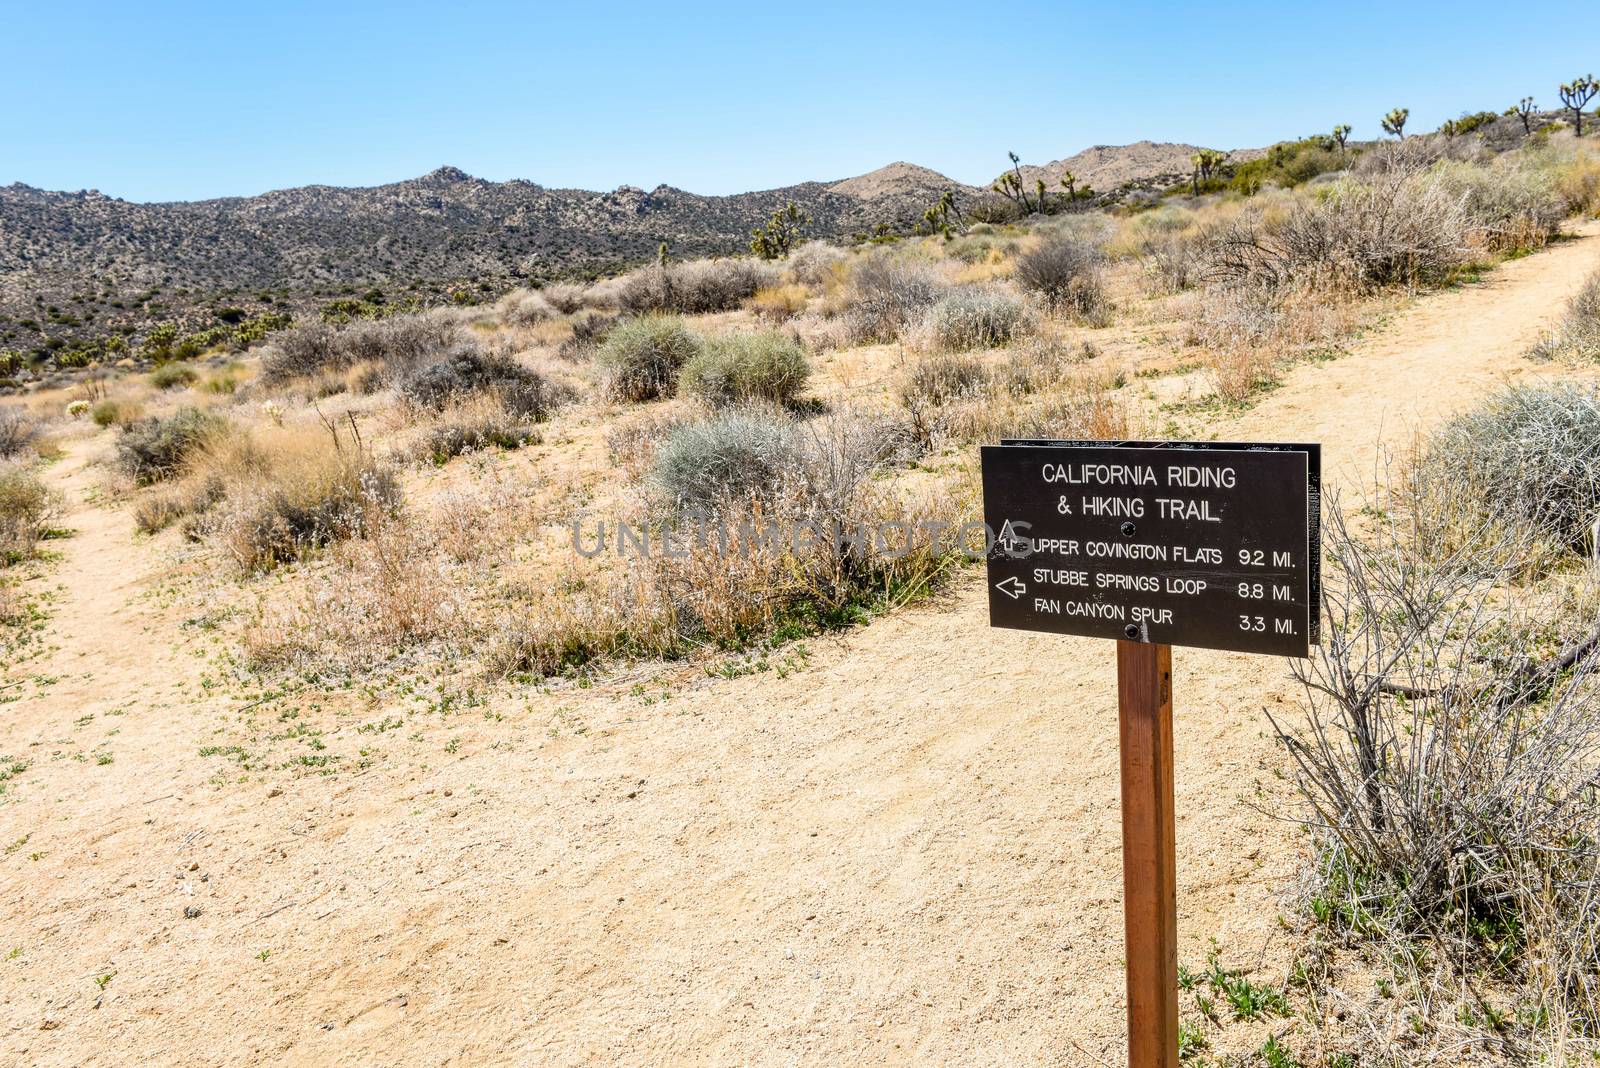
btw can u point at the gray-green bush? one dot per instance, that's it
(765, 366)
(1529, 456)
(641, 359)
(974, 318)
(525, 393)
(1577, 336)
(703, 467)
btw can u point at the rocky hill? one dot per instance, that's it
(94, 257)
(1143, 163)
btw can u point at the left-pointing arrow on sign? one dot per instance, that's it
(1012, 587)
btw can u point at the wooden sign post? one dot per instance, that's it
(1154, 544)
(1149, 852)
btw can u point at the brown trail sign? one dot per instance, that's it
(1155, 544)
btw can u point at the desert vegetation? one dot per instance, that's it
(702, 463)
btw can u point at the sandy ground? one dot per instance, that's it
(902, 848)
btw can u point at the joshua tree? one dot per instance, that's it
(1069, 182)
(1205, 162)
(1395, 122)
(782, 233)
(1575, 94)
(1011, 187)
(938, 218)
(1341, 134)
(1523, 109)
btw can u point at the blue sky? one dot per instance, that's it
(157, 101)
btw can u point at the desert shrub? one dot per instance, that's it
(701, 467)
(695, 287)
(303, 500)
(887, 293)
(1065, 272)
(766, 366)
(151, 450)
(27, 508)
(1577, 336)
(396, 343)
(107, 412)
(982, 243)
(939, 379)
(524, 307)
(975, 318)
(301, 350)
(778, 303)
(1510, 206)
(1446, 771)
(18, 431)
(589, 329)
(524, 392)
(814, 263)
(563, 297)
(483, 421)
(642, 358)
(400, 342)
(1171, 261)
(1286, 164)
(173, 376)
(1530, 456)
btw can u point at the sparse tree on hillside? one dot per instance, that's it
(781, 234)
(1341, 135)
(1394, 123)
(1069, 182)
(1010, 186)
(1575, 95)
(1523, 109)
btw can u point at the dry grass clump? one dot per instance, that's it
(18, 431)
(1577, 337)
(1065, 271)
(27, 508)
(115, 412)
(589, 330)
(640, 359)
(693, 288)
(765, 366)
(777, 304)
(974, 318)
(369, 599)
(479, 422)
(155, 449)
(815, 263)
(290, 495)
(958, 398)
(1447, 772)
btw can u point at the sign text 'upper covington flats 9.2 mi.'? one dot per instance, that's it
(1199, 544)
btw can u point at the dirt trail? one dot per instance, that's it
(907, 850)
